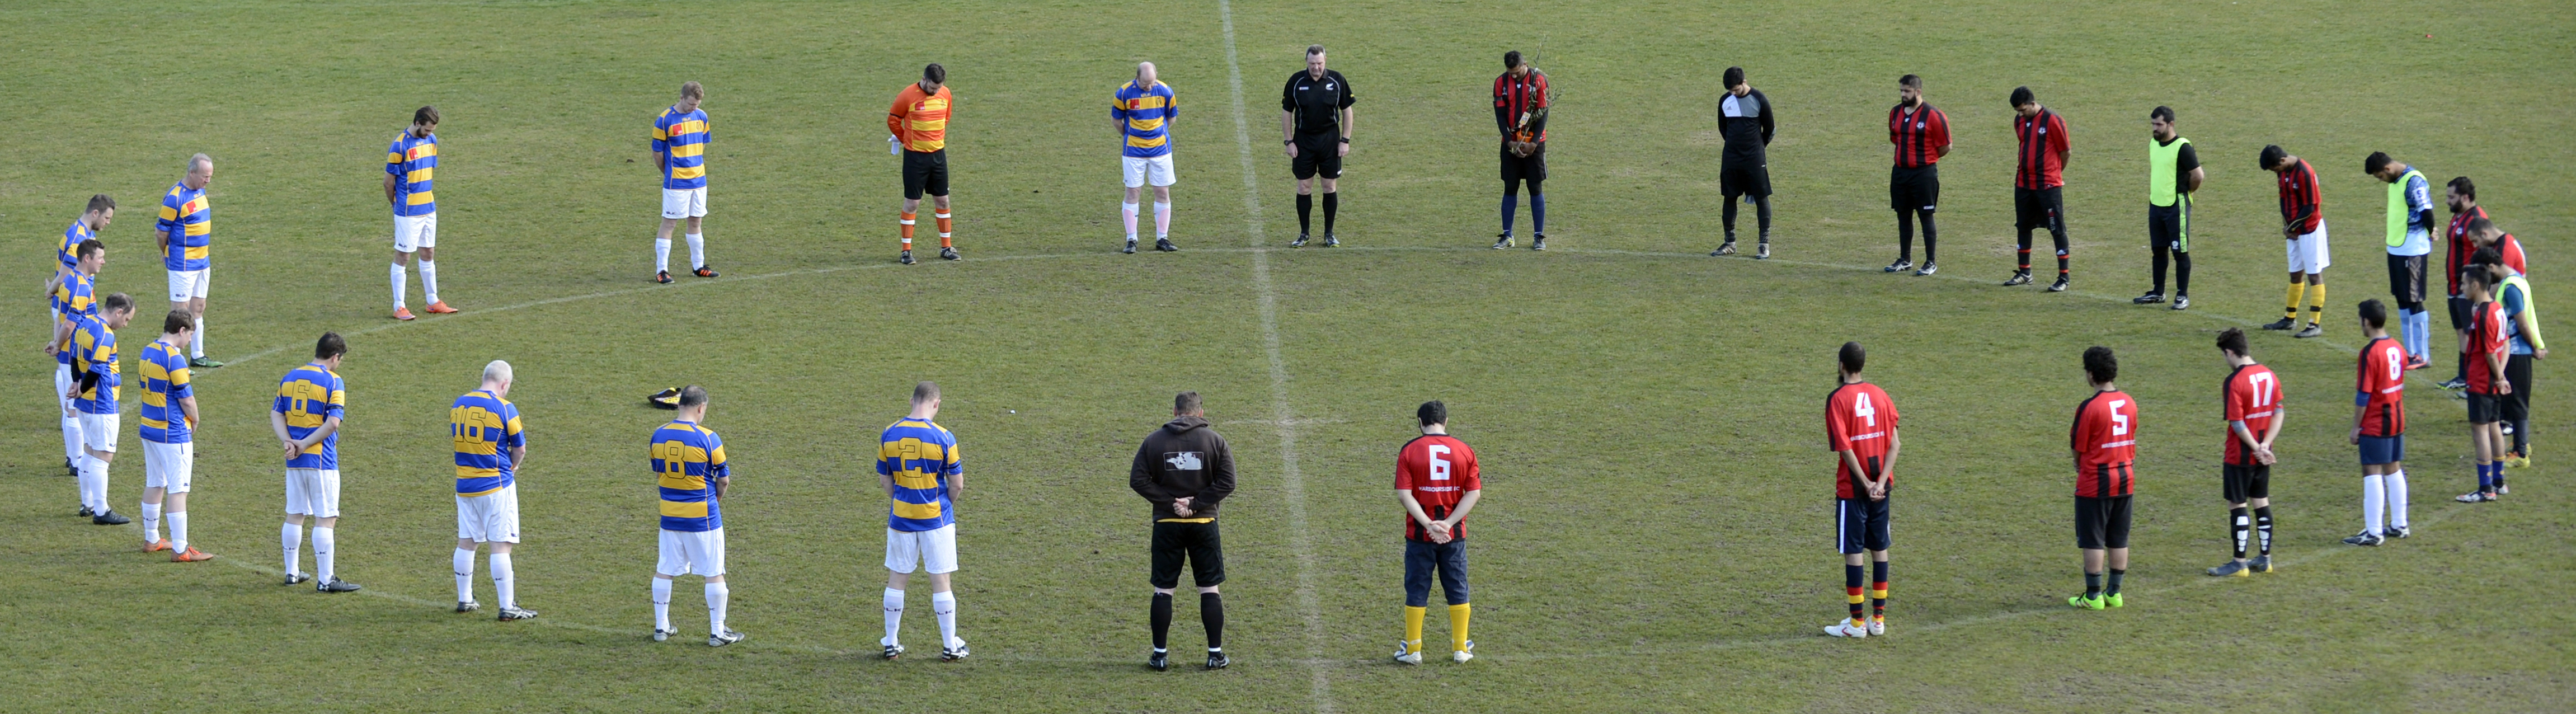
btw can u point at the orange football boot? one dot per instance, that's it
(440, 308)
(402, 313)
(191, 555)
(157, 546)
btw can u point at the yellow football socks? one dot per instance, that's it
(2292, 311)
(1413, 628)
(1457, 626)
(2316, 303)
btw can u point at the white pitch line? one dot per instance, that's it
(1291, 481)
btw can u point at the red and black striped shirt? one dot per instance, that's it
(1918, 135)
(2301, 206)
(1520, 105)
(2105, 442)
(2462, 247)
(2043, 150)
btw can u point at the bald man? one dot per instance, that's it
(1143, 111)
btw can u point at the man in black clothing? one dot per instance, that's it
(1184, 469)
(1315, 124)
(1745, 120)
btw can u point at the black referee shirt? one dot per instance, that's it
(1317, 103)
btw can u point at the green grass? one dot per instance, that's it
(1656, 533)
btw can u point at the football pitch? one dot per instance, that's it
(1656, 533)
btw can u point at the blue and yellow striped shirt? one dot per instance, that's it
(920, 456)
(308, 396)
(164, 369)
(688, 459)
(485, 427)
(95, 351)
(682, 140)
(72, 237)
(74, 298)
(189, 222)
(1148, 115)
(411, 160)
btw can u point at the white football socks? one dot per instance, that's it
(464, 562)
(717, 594)
(945, 603)
(662, 255)
(697, 250)
(151, 523)
(323, 549)
(197, 340)
(893, 616)
(505, 582)
(178, 531)
(72, 441)
(1162, 220)
(662, 604)
(2374, 501)
(395, 270)
(2397, 498)
(290, 538)
(1127, 212)
(429, 281)
(93, 483)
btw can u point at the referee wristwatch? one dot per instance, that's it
(1285, 142)
(1346, 140)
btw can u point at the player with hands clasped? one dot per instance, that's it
(2250, 402)
(1437, 481)
(1860, 428)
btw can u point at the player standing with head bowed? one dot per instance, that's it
(491, 447)
(169, 429)
(183, 233)
(919, 122)
(411, 163)
(2303, 228)
(1860, 428)
(2250, 401)
(1143, 110)
(918, 466)
(1437, 482)
(689, 463)
(1921, 134)
(1315, 125)
(94, 394)
(1744, 118)
(1520, 112)
(2173, 173)
(1185, 470)
(2461, 195)
(2487, 384)
(2105, 442)
(2410, 241)
(2501, 256)
(2039, 182)
(2379, 428)
(306, 418)
(680, 137)
(70, 296)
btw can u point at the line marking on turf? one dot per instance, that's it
(1291, 481)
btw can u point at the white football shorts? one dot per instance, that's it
(168, 466)
(313, 492)
(98, 431)
(188, 285)
(1141, 170)
(415, 232)
(2308, 253)
(934, 551)
(684, 202)
(685, 552)
(489, 518)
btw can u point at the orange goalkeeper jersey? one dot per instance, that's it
(920, 119)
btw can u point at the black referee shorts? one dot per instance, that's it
(2240, 482)
(1195, 542)
(2039, 208)
(2101, 523)
(1318, 154)
(1914, 189)
(925, 171)
(1736, 177)
(1531, 168)
(2406, 278)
